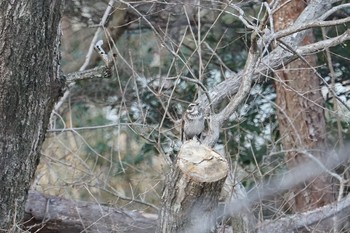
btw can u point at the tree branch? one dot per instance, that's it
(218, 120)
(298, 221)
(273, 61)
(63, 215)
(321, 45)
(294, 29)
(97, 72)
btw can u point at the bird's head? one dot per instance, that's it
(193, 108)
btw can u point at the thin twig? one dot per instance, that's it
(333, 174)
(96, 35)
(335, 102)
(313, 68)
(295, 29)
(88, 55)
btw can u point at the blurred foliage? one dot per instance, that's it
(146, 96)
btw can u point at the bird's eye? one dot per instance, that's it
(191, 107)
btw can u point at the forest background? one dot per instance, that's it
(111, 140)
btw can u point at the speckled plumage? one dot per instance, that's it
(192, 122)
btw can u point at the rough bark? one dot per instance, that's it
(301, 116)
(192, 190)
(54, 214)
(30, 84)
(278, 57)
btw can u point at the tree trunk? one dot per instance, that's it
(192, 190)
(301, 116)
(30, 84)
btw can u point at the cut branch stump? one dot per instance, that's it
(192, 190)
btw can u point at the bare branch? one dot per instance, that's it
(277, 57)
(76, 216)
(298, 221)
(303, 59)
(334, 9)
(270, 62)
(97, 72)
(332, 74)
(88, 55)
(248, 73)
(294, 29)
(97, 34)
(274, 60)
(321, 45)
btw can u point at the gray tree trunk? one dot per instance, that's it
(191, 193)
(29, 86)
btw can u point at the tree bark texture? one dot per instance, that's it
(193, 186)
(301, 115)
(30, 83)
(55, 214)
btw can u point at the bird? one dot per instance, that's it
(192, 122)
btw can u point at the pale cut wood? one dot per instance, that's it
(192, 190)
(201, 163)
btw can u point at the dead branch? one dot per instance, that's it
(55, 214)
(97, 72)
(294, 222)
(248, 73)
(321, 45)
(278, 57)
(294, 29)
